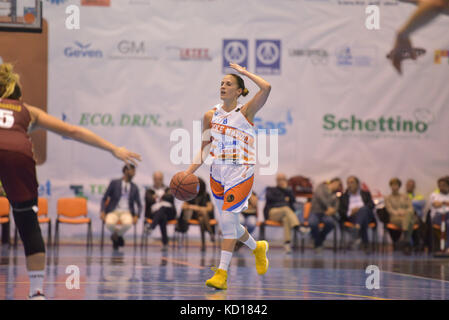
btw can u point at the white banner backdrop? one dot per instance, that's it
(137, 70)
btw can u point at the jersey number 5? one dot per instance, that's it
(6, 119)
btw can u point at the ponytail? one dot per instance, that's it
(9, 82)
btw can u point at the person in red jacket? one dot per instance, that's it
(18, 167)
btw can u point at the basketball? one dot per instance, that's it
(184, 186)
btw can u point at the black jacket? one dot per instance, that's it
(114, 193)
(275, 198)
(168, 197)
(344, 203)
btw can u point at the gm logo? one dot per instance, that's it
(268, 56)
(235, 51)
(82, 51)
(440, 54)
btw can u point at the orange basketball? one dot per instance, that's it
(184, 186)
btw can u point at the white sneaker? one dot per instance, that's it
(287, 248)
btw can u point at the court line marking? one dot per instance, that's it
(413, 276)
(233, 287)
(182, 263)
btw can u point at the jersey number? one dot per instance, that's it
(6, 119)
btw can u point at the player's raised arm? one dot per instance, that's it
(257, 102)
(205, 143)
(42, 119)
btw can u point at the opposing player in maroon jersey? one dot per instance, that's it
(18, 167)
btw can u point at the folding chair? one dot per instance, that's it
(392, 228)
(42, 217)
(348, 226)
(194, 222)
(145, 232)
(73, 211)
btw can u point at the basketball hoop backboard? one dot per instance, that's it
(21, 15)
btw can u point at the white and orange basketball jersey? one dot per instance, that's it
(233, 137)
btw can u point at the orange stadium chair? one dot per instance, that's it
(270, 223)
(393, 227)
(73, 211)
(148, 221)
(4, 211)
(305, 224)
(182, 238)
(42, 216)
(347, 226)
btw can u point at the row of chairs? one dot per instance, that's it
(346, 227)
(73, 211)
(69, 210)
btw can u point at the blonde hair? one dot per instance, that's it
(8, 80)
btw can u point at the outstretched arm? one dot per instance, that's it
(427, 10)
(257, 102)
(46, 121)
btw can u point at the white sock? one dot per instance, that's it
(36, 281)
(250, 243)
(225, 260)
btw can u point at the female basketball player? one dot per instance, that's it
(18, 168)
(231, 145)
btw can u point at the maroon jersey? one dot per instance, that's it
(14, 121)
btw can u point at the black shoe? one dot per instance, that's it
(121, 241)
(115, 241)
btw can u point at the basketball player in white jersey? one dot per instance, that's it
(231, 145)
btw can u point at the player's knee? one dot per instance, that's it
(240, 230)
(229, 225)
(25, 218)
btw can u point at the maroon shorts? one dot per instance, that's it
(18, 176)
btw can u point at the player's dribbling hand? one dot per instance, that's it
(126, 156)
(237, 68)
(402, 45)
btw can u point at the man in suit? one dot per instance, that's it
(119, 205)
(357, 206)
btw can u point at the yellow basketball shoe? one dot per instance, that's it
(261, 257)
(219, 280)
